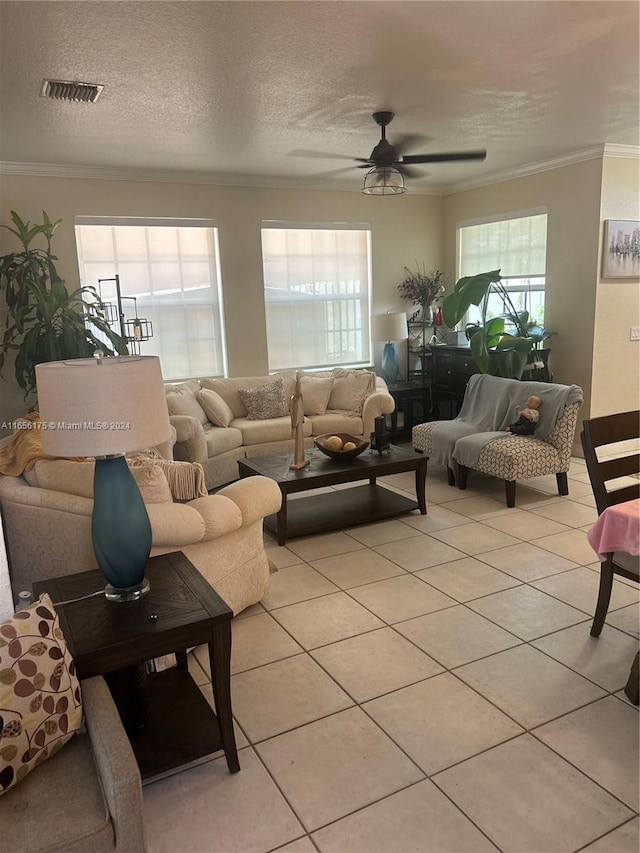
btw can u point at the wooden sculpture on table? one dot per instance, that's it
(296, 410)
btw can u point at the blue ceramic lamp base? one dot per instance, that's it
(120, 530)
(390, 367)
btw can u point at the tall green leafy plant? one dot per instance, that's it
(501, 345)
(44, 321)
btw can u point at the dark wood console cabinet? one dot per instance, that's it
(451, 368)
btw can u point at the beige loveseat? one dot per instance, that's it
(215, 428)
(48, 530)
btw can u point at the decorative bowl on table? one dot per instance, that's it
(340, 445)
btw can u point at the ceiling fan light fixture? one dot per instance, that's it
(383, 180)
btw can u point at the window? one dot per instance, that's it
(516, 245)
(317, 293)
(172, 269)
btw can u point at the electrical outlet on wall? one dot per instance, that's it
(635, 333)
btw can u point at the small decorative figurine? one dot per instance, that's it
(296, 410)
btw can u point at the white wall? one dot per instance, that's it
(616, 358)
(404, 229)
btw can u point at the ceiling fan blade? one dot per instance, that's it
(447, 157)
(320, 155)
(408, 172)
(406, 141)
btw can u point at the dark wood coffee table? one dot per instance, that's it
(176, 726)
(342, 508)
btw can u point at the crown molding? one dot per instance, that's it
(173, 176)
(170, 176)
(632, 152)
(530, 169)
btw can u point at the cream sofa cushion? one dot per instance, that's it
(316, 392)
(273, 429)
(217, 411)
(181, 401)
(334, 422)
(220, 440)
(350, 389)
(76, 478)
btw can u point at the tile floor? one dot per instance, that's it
(426, 684)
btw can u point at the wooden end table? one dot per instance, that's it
(180, 611)
(338, 509)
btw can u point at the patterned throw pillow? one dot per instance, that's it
(40, 703)
(266, 401)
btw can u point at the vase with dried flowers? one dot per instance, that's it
(422, 288)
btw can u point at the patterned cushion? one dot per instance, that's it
(40, 703)
(266, 401)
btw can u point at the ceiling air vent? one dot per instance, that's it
(66, 90)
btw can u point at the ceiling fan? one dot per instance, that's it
(388, 165)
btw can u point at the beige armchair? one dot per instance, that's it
(48, 534)
(86, 797)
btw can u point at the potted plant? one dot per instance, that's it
(44, 321)
(422, 288)
(499, 345)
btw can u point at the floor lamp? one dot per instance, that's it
(103, 408)
(389, 328)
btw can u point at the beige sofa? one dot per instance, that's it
(48, 533)
(213, 427)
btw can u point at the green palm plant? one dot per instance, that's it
(495, 348)
(44, 321)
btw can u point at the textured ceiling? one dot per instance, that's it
(234, 88)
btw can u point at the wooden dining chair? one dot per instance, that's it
(607, 464)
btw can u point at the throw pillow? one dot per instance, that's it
(181, 401)
(40, 702)
(215, 408)
(350, 389)
(315, 394)
(76, 478)
(266, 401)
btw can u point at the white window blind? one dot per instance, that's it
(172, 269)
(317, 286)
(517, 247)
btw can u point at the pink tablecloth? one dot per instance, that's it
(617, 529)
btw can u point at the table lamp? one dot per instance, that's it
(103, 408)
(390, 327)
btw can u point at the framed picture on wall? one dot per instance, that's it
(621, 249)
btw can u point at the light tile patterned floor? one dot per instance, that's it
(426, 684)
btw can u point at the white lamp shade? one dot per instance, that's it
(98, 407)
(390, 327)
